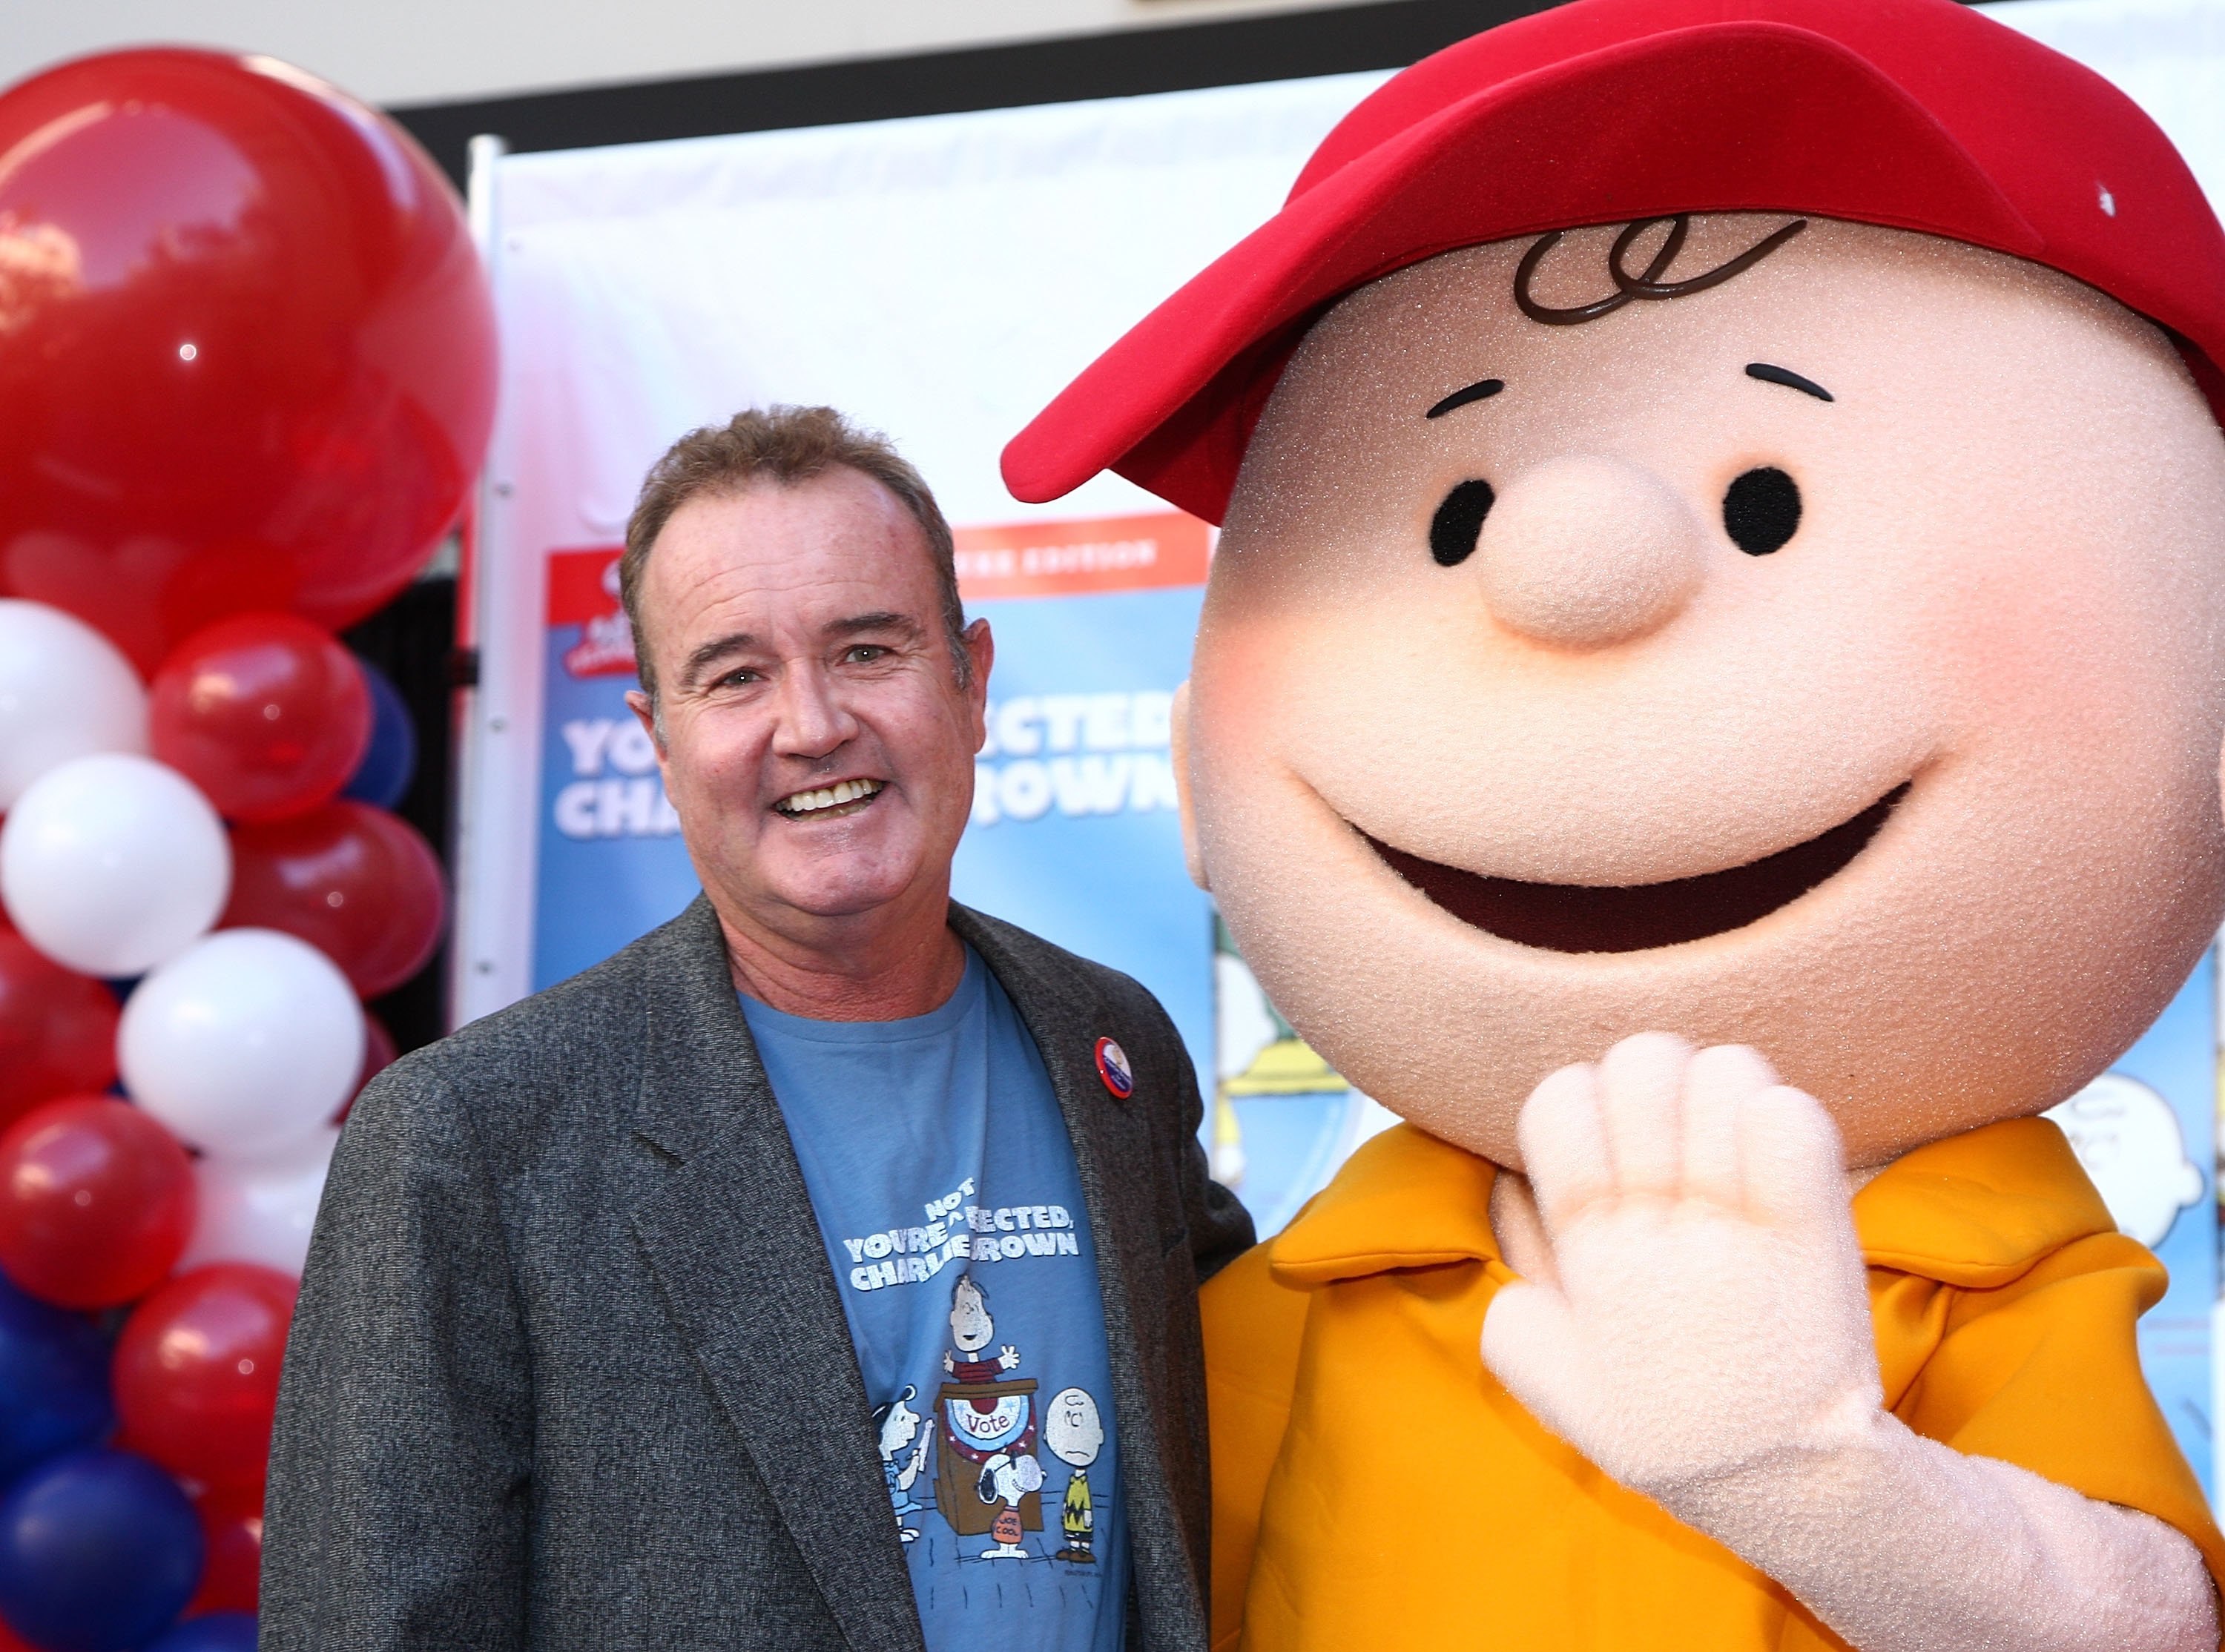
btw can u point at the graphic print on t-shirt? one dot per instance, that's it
(989, 1428)
(944, 1182)
(897, 1426)
(986, 1424)
(909, 1255)
(1074, 1434)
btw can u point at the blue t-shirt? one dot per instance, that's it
(940, 1169)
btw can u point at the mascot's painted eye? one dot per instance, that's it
(1453, 530)
(1761, 510)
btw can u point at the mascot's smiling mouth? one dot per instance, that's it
(1581, 918)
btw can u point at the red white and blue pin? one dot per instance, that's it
(1112, 1068)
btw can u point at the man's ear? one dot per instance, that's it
(638, 703)
(981, 656)
(1193, 856)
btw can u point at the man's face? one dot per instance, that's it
(1880, 731)
(816, 745)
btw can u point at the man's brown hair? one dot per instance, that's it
(785, 445)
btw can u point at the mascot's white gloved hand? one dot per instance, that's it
(1705, 1339)
(1710, 1310)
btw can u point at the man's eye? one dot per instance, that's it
(740, 678)
(865, 652)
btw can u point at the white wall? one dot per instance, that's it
(428, 51)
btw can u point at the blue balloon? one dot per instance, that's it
(389, 761)
(99, 1552)
(54, 1382)
(217, 1632)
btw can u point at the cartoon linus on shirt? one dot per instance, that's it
(1075, 1434)
(970, 1330)
(1708, 704)
(896, 1425)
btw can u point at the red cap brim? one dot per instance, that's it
(1753, 114)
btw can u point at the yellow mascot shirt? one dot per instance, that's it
(1375, 1487)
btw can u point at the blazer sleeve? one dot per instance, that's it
(395, 1516)
(1219, 1227)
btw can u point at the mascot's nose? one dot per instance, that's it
(1582, 552)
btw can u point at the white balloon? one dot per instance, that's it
(260, 1209)
(65, 692)
(112, 863)
(245, 1044)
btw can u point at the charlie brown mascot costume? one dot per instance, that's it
(1708, 705)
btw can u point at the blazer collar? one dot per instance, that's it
(1066, 1016)
(761, 1312)
(694, 1016)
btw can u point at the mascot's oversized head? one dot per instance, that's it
(1724, 533)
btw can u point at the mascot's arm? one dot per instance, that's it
(1704, 1335)
(1902, 1544)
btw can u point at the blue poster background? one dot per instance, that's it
(1101, 874)
(611, 866)
(2178, 1059)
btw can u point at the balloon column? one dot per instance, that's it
(246, 353)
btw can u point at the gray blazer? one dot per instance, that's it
(570, 1368)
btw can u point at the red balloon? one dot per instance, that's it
(231, 1531)
(95, 1201)
(196, 1372)
(355, 883)
(249, 356)
(264, 713)
(57, 1029)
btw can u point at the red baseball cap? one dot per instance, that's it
(1916, 114)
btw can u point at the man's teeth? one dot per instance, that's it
(827, 797)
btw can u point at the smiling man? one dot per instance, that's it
(613, 1293)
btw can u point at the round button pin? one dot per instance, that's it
(1112, 1068)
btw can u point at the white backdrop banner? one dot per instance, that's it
(940, 279)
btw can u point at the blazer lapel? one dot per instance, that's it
(1112, 1151)
(734, 1242)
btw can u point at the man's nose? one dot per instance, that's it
(812, 719)
(1582, 552)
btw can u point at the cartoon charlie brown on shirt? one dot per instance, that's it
(1074, 1433)
(1713, 716)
